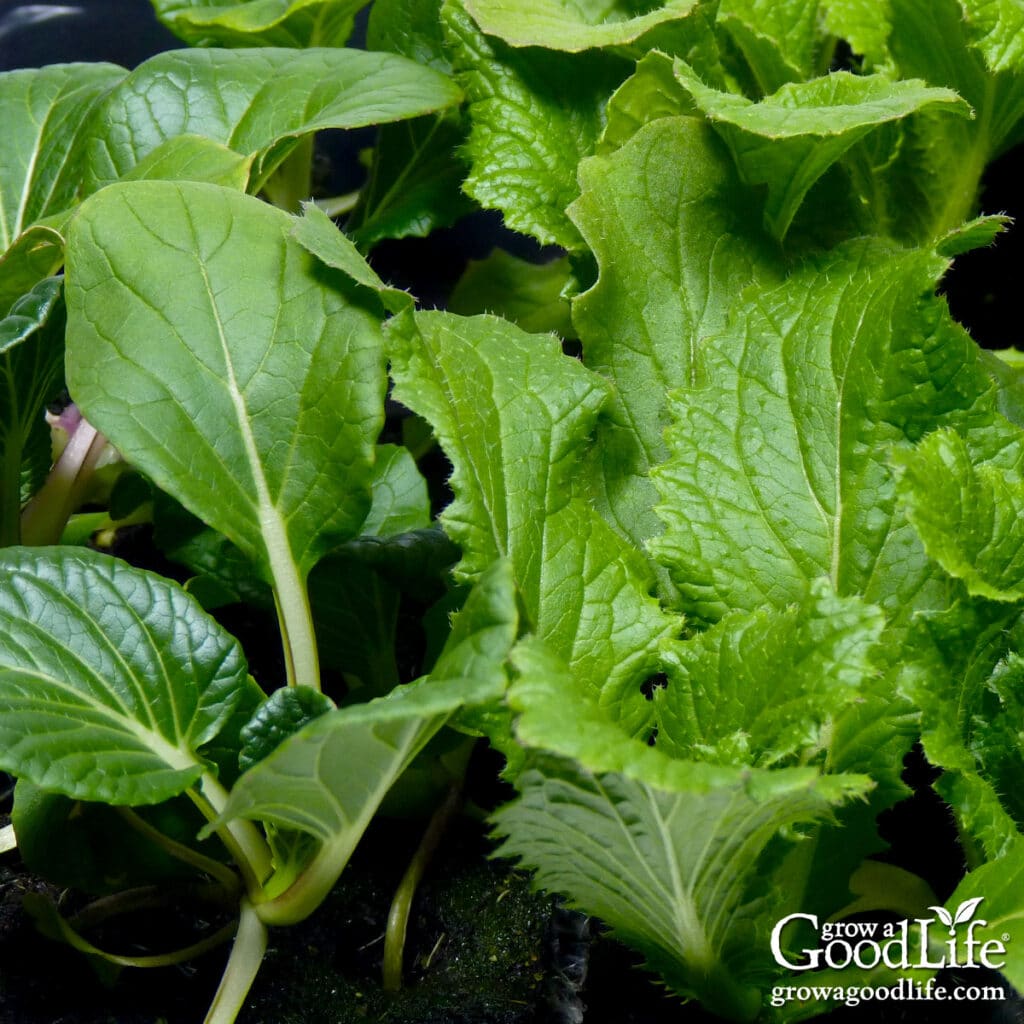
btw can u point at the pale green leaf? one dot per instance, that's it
(309, 783)
(42, 111)
(513, 415)
(673, 250)
(764, 688)
(779, 469)
(531, 295)
(975, 234)
(534, 115)
(257, 102)
(788, 140)
(967, 505)
(31, 361)
(119, 722)
(865, 25)
(781, 40)
(316, 233)
(996, 28)
(252, 391)
(573, 25)
(193, 158)
(667, 852)
(294, 23)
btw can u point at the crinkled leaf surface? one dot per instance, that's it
(118, 721)
(255, 101)
(310, 783)
(718, 705)
(672, 250)
(996, 28)
(666, 851)
(779, 468)
(966, 501)
(293, 23)
(513, 414)
(42, 111)
(966, 676)
(534, 114)
(789, 139)
(260, 367)
(31, 361)
(573, 25)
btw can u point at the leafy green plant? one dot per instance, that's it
(722, 569)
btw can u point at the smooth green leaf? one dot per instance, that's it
(573, 25)
(294, 23)
(31, 361)
(673, 250)
(257, 102)
(42, 111)
(415, 182)
(788, 140)
(968, 507)
(513, 415)
(308, 784)
(193, 158)
(534, 115)
(764, 688)
(120, 723)
(779, 468)
(667, 852)
(316, 233)
(36, 254)
(260, 364)
(865, 25)
(531, 295)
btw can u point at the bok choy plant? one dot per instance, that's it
(734, 508)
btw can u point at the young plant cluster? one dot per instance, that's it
(713, 577)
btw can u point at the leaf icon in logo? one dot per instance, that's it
(945, 917)
(966, 910)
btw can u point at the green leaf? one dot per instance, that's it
(260, 454)
(31, 361)
(534, 115)
(966, 676)
(36, 254)
(789, 139)
(764, 688)
(975, 234)
(42, 111)
(257, 102)
(781, 40)
(260, 363)
(415, 182)
(294, 23)
(673, 250)
(316, 233)
(513, 415)
(308, 784)
(967, 505)
(570, 25)
(995, 28)
(999, 886)
(120, 723)
(531, 295)
(779, 468)
(283, 713)
(193, 158)
(411, 28)
(670, 853)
